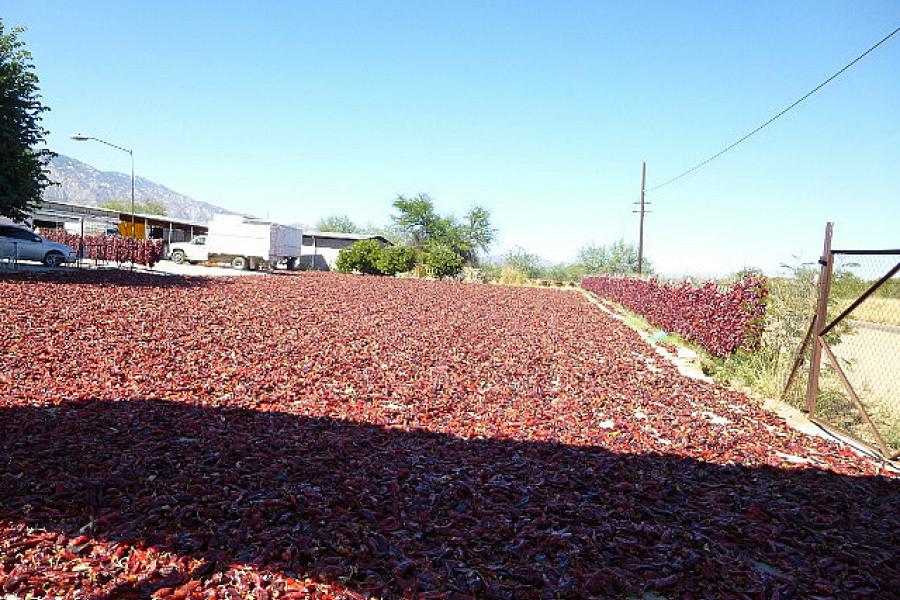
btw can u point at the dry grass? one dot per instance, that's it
(878, 310)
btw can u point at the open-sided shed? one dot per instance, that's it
(321, 248)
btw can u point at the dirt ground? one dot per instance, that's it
(872, 362)
(870, 356)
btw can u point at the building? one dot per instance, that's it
(319, 251)
(321, 248)
(92, 220)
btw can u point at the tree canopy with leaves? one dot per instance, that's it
(361, 256)
(425, 227)
(147, 207)
(337, 223)
(620, 257)
(444, 261)
(23, 165)
(528, 263)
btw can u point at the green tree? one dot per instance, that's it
(846, 285)
(754, 271)
(119, 205)
(520, 259)
(593, 258)
(338, 223)
(477, 232)
(391, 232)
(154, 207)
(396, 259)
(23, 167)
(443, 261)
(620, 257)
(565, 272)
(362, 257)
(421, 225)
(147, 207)
(418, 218)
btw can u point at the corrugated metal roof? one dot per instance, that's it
(340, 235)
(96, 210)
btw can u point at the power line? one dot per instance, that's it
(769, 122)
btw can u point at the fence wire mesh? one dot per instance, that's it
(866, 345)
(795, 392)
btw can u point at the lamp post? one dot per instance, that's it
(78, 137)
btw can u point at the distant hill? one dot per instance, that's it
(80, 183)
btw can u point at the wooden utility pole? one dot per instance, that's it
(640, 267)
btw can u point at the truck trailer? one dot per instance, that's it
(244, 243)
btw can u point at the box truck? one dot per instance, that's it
(243, 242)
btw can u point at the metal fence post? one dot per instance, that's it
(12, 260)
(81, 243)
(815, 363)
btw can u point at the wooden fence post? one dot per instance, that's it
(815, 363)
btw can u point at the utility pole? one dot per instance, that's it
(643, 204)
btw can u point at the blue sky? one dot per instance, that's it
(541, 111)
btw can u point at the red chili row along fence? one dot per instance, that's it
(721, 321)
(109, 247)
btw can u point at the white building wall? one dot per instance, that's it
(324, 254)
(328, 255)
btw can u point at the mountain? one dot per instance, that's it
(80, 183)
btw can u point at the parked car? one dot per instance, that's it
(26, 245)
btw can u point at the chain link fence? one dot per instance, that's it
(856, 387)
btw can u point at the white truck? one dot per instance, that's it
(243, 242)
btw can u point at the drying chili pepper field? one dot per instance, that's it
(329, 436)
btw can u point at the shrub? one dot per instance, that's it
(363, 257)
(565, 272)
(491, 272)
(521, 260)
(789, 307)
(473, 275)
(512, 276)
(443, 261)
(396, 259)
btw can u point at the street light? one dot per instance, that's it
(79, 137)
